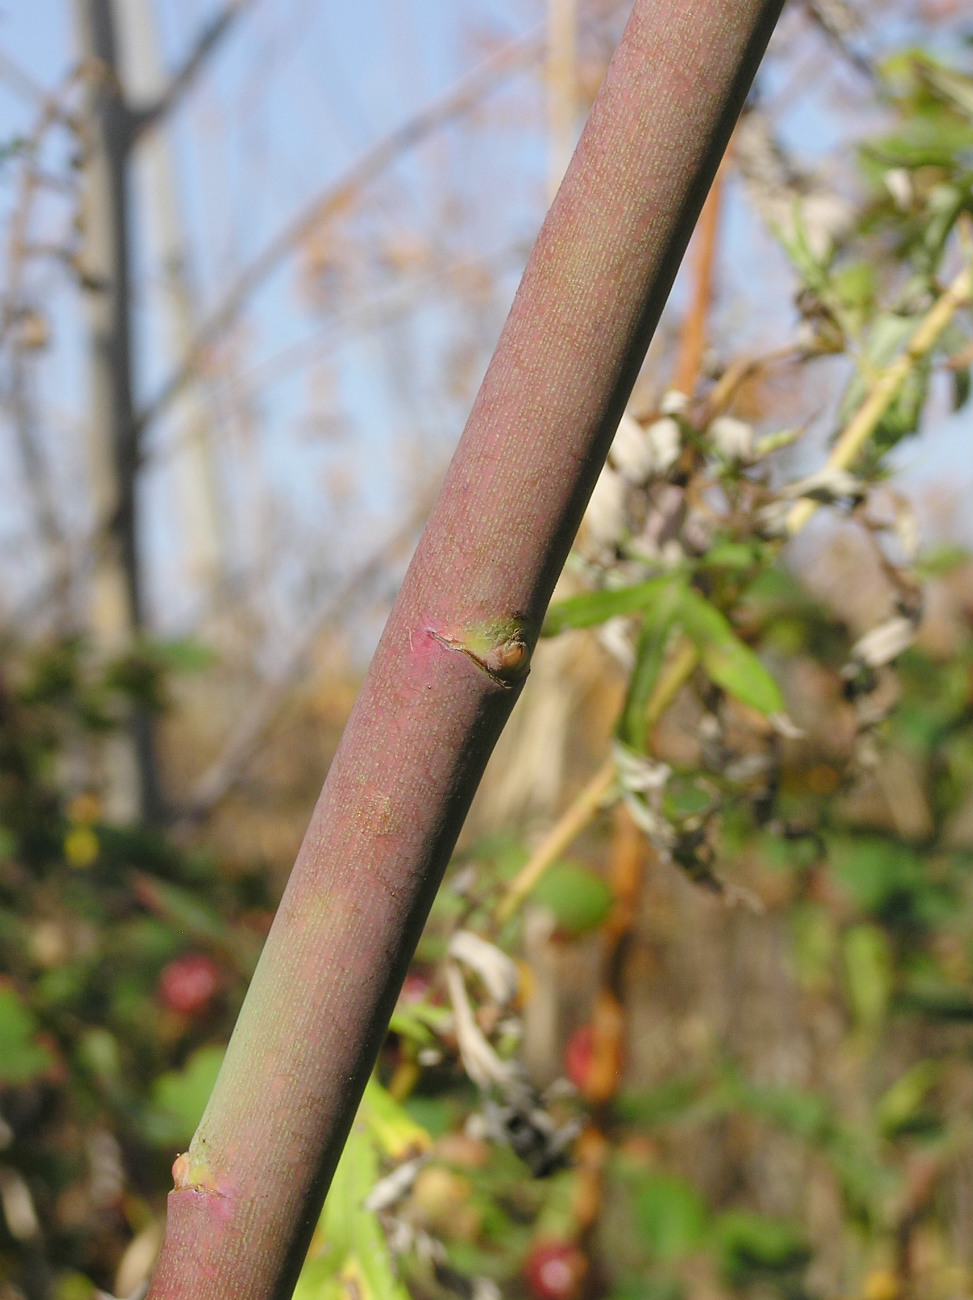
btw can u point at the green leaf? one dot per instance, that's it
(854, 284)
(22, 1057)
(751, 1247)
(812, 269)
(351, 1259)
(8, 843)
(727, 660)
(406, 1024)
(319, 1281)
(594, 607)
(727, 554)
(656, 1107)
(391, 1127)
(899, 1107)
(649, 659)
(805, 1114)
(437, 1115)
(923, 142)
(183, 654)
(937, 1000)
(578, 899)
(671, 1214)
(75, 1286)
(961, 388)
(952, 86)
(197, 919)
(145, 942)
(881, 876)
(811, 1117)
(98, 1052)
(902, 417)
(813, 942)
(648, 1288)
(868, 974)
(179, 1097)
(888, 335)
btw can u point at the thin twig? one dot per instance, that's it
(143, 119)
(564, 831)
(737, 374)
(461, 98)
(228, 769)
(886, 388)
(692, 345)
(583, 809)
(20, 80)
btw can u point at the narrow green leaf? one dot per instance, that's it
(868, 972)
(181, 907)
(812, 269)
(751, 1247)
(182, 654)
(649, 658)
(350, 1257)
(727, 660)
(961, 388)
(667, 1103)
(594, 607)
(900, 1105)
(390, 1126)
(728, 554)
(937, 1000)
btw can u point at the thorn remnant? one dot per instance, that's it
(191, 1175)
(498, 648)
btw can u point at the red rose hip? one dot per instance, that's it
(189, 983)
(554, 1270)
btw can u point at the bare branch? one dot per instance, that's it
(229, 768)
(461, 98)
(143, 119)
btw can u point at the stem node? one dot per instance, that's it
(498, 648)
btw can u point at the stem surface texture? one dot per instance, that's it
(454, 653)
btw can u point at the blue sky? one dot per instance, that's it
(342, 388)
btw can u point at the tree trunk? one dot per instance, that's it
(117, 617)
(194, 467)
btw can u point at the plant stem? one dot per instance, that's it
(448, 668)
(565, 831)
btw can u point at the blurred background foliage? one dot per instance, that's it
(692, 1018)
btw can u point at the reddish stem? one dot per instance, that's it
(450, 662)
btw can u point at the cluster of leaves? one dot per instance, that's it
(124, 962)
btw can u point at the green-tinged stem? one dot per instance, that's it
(562, 834)
(455, 651)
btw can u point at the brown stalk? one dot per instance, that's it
(692, 343)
